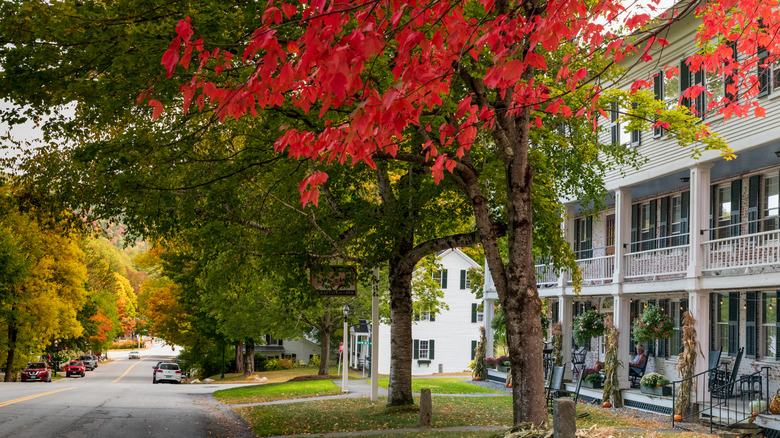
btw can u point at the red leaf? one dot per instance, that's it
(288, 10)
(759, 112)
(158, 108)
(338, 84)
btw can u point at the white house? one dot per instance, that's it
(301, 349)
(444, 343)
(683, 234)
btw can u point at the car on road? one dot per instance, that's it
(75, 367)
(36, 372)
(167, 372)
(135, 354)
(90, 362)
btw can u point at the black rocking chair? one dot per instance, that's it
(723, 382)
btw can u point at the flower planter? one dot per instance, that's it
(657, 390)
(587, 384)
(502, 368)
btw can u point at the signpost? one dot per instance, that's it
(334, 281)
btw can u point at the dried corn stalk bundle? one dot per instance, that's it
(611, 365)
(686, 365)
(557, 354)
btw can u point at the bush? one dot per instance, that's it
(652, 380)
(594, 378)
(491, 362)
(589, 371)
(315, 361)
(260, 362)
(124, 345)
(280, 364)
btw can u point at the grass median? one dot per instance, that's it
(277, 391)
(445, 385)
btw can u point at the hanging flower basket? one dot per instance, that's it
(587, 326)
(652, 324)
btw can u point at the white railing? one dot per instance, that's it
(759, 249)
(597, 268)
(662, 261)
(545, 276)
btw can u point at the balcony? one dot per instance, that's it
(741, 255)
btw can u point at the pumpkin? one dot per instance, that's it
(509, 385)
(477, 378)
(678, 417)
(607, 404)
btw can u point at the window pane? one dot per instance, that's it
(771, 202)
(714, 87)
(769, 322)
(423, 349)
(672, 91)
(724, 196)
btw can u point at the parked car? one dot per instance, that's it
(36, 372)
(96, 358)
(134, 355)
(90, 363)
(167, 372)
(75, 367)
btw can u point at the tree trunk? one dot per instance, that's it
(9, 368)
(325, 348)
(400, 386)
(240, 357)
(249, 358)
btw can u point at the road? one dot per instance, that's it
(116, 400)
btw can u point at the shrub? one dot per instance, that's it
(315, 361)
(593, 378)
(652, 380)
(491, 362)
(260, 362)
(124, 345)
(280, 364)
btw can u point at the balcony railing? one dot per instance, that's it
(597, 268)
(751, 250)
(545, 276)
(657, 262)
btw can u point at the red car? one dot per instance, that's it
(75, 367)
(36, 371)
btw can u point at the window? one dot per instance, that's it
(667, 89)
(583, 239)
(676, 215)
(618, 131)
(477, 313)
(690, 79)
(441, 278)
(423, 351)
(715, 88)
(776, 75)
(769, 324)
(725, 209)
(721, 326)
(771, 202)
(465, 281)
(677, 311)
(643, 229)
(763, 73)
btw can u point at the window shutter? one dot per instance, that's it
(699, 101)
(754, 190)
(613, 117)
(685, 201)
(663, 226)
(713, 321)
(763, 73)
(416, 316)
(473, 312)
(416, 349)
(430, 349)
(444, 279)
(685, 82)
(463, 279)
(736, 204)
(664, 304)
(653, 220)
(751, 335)
(658, 90)
(433, 316)
(473, 349)
(589, 242)
(731, 80)
(650, 345)
(634, 226)
(733, 323)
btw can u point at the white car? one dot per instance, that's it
(134, 355)
(167, 372)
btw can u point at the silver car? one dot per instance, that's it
(134, 355)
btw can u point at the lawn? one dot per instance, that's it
(445, 386)
(277, 376)
(277, 391)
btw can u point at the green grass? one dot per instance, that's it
(445, 386)
(277, 376)
(342, 415)
(438, 434)
(277, 391)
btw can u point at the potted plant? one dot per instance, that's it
(491, 362)
(502, 364)
(652, 324)
(587, 326)
(655, 384)
(591, 378)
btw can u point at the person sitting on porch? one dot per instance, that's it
(637, 362)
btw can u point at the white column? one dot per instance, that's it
(564, 313)
(622, 320)
(699, 306)
(698, 217)
(622, 233)
(490, 295)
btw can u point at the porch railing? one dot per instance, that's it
(661, 261)
(734, 402)
(751, 250)
(694, 388)
(597, 268)
(545, 276)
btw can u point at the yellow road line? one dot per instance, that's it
(128, 370)
(30, 397)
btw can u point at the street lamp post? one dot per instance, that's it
(345, 370)
(56, 356)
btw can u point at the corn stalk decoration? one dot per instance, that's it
(557, 353)
(480, 370)
(686, 365)
(611, 365)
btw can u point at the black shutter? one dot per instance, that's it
(462, 278)
(754, 190)
(658, 90)
(650, 344)
(713, 211)
(473, 349)
(685, 82)
(699, 101)
(763, 73)
(751, 334)
(589, 241)
(416, 349)
(685, 202)
(714, 313)
(433, 316)
(473, 312)
(613, 117)
(634, 226)
(663, 226)
(731, 80)
(555, 317)
(577, 239)
(736, 204)
(636, 135)
(733, 323)
(653, 220)
(430, 349)
(662, 343)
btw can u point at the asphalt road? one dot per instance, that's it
(116, 400)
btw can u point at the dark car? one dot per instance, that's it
(36, 372)
(90, 363)
(75, 367)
